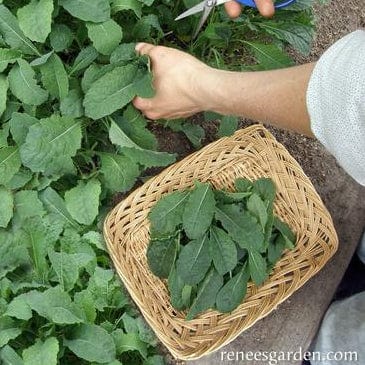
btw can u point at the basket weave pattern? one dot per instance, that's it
(251, 153)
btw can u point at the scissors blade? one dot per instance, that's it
(195, 9)
(206, 11)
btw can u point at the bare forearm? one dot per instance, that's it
(276, 97)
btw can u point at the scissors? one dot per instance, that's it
(207, 6)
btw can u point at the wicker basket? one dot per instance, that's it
(250, 153)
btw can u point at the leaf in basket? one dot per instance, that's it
(268, 227)
(276, 248)
(286, 232)
(230, 296)
(222, 250)
(227, 197)
(241, 226)
(257, 266)
(206, 295)
(199, 210)
(179, 292)
(243, 185)
(167, 213)
(265, 188)
(161, 256)
(194, 261)
(258, 209)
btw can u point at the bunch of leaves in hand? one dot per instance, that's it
(210, 243)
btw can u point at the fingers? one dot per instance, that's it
(144, 48)
(141, 103)
(265, 7)
(233, 9)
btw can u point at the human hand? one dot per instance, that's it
(265, 7)
(179, 81)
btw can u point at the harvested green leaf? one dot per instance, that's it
(258, 209)
(243, 185)
(285, 230)
(265, 188)
(222, 250)
(257, 265)
(230, 296)
(206, 295)
(176, 289)
(161, 256)
(242, 240)
(199, 211)
(194, 261)
(241, 226)
(167, 213)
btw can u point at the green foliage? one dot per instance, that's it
(70, 139)
(161, 256)
(24, 86)
(42, 352)
(239, 239)
(37, 26)
(198, 211)
(92, 343)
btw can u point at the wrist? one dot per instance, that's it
(219, 89)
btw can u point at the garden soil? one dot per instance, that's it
(344, 198)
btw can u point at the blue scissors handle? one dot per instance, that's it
(279, 5)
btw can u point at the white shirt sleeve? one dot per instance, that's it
(336, 103)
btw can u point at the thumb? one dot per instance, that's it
(144, 48)
(141, 103)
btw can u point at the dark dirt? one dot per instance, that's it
(342, 196)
